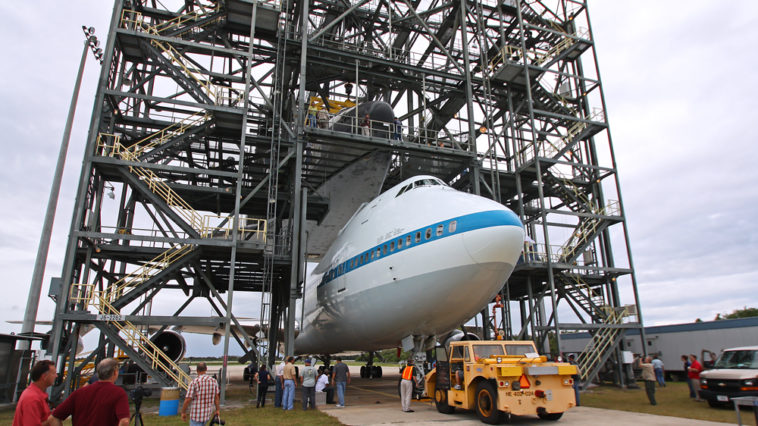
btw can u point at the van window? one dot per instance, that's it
(743, 359)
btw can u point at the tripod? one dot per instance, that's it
(137, 416)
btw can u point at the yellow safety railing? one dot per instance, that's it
(554, 51)
(110, 145)
(600, 342)
(249, 228)
(130, 333)
(161, 189)
(148, 270)
(582, 286)
(506, 53)
(136, 18)
(162, 136)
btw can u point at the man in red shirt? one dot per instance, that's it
(32, 407)
(693, 373)
(101, 403)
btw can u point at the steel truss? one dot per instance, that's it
(199, 133)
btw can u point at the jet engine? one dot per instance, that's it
(458, 335)
(170, 343)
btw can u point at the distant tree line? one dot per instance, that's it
(387, 355)
(745, 312)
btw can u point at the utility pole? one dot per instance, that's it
(32, 304)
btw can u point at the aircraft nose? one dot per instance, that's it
(498, 239)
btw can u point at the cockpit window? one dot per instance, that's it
(419, 183)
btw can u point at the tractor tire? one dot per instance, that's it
(440, 401)
(486, 404)
(549, 416)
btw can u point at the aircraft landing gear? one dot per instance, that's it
(418, 346)
(371, 371)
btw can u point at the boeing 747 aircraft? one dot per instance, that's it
(416, 262)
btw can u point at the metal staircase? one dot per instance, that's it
(191, 78)
(171, 60)
(590, 300)
(600, 347)
(128, 337)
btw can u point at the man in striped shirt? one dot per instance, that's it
(204, 396)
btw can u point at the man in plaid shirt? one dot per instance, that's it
(203, 393)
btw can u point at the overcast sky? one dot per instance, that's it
(678, 78)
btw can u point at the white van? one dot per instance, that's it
(735, 373)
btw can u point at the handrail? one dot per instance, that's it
(174, 55)
(134, 338)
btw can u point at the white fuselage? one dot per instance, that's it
(417, 260)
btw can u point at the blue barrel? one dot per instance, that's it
(169, 405)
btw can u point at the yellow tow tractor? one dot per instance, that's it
(499, 379)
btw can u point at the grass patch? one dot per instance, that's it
(673, 400)
(239, 412)
(257, 416)
(232, 416)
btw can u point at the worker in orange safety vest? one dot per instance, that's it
(406, 386)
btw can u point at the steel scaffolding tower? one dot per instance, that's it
(201, 139)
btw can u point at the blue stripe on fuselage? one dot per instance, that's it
(466, 223)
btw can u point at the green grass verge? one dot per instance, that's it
(673, 400)
(239, 412)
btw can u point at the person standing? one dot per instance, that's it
(279, 385)
(341, 378)
(686, 364)
(101, 403)
(32, 408)
(398, 129)
(288, 397)
(323, 118)
(693, 374)
(658, 367)
(648, 375)
(203, 394)
(308, 380)
(322, 385)
(575, 377)
(264, 379)
(406, 386)
(366, 125)
(312, 111)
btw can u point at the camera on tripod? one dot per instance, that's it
(137, 394)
